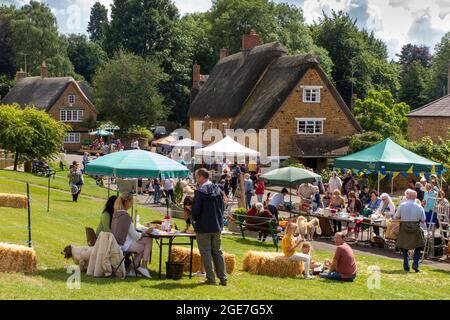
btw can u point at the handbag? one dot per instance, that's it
(74, 189)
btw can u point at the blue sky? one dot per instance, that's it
(396, 22)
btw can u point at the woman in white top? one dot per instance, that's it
(128, 238)
(387, 206)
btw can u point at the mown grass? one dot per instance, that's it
(64, 224)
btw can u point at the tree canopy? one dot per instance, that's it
(126, 91)
(30, 133)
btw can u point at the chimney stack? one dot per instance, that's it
(44, 70)
(20, 75)
(249, 41)
(223, 53)
(195, 74)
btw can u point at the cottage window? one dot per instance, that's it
(72, 137)
(309, 126)
(71, 99)
(311, 94)
(71, 115)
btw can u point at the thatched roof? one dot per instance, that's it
(322, 147)
(43, 93)
(251, 87)
(232, 80)
(438, 108)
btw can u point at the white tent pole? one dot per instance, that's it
(378, 182)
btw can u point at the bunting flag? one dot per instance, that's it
(383, 172)
(427, 176)
(382, 175)
(344, 170)
(405, 174)
(417, 174)
(395, 174)
(410, 170)
(433, 169)
(361, 174)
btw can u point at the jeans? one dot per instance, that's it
(416, 258)
(273, 210)
(209, 245)
(248, 200)
(260, 198)
(169, 195)
(337, 226)
(428, 215)
(336, 276)
(157, 197)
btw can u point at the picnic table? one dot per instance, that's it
(170, 238)
(364, 222)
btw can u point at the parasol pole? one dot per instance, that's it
(392, 185)
(378, 181)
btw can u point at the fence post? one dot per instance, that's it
(29, 215)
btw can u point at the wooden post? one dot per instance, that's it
(240, 192)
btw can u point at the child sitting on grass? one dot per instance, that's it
(289, 244)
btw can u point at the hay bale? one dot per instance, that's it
(181, 254)
(13, 200)
(16, 258)
(271, 264)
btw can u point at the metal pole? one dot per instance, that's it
(48, 195)
(378, 182)
(29, 216)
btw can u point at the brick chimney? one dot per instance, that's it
(223, 53)
(249, 41)
(195, 74)
(44, 70)
(20, 74)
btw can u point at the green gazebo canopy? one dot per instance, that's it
(388, 156)
(289, 176)
(135, 164)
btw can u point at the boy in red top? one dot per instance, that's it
(343, 267)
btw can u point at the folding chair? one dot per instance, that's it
(91, 237)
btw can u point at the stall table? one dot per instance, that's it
(170, 237)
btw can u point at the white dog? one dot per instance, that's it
(307, 229)
(80, 255)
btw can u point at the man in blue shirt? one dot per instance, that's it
(411, 236)
(429, 200)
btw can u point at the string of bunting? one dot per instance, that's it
(391, 174)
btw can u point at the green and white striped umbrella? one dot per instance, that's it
(135, 164)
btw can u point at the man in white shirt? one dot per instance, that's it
(334, 183)
(276, 201)
(168, 189)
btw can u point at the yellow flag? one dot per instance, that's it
(410, 170)
(395, 174)
(382, 176)
(433, 169)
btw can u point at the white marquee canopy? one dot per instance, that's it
(227, 147)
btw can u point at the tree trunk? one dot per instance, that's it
(16, 160)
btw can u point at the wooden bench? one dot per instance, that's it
(255, 223)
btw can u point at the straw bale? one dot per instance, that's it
(17, 258)
(13, 200)
(181, 254)
(271, 264)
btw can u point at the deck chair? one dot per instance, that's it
(91, 237)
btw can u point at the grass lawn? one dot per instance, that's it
(64, 224)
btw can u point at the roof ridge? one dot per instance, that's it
(429, 104)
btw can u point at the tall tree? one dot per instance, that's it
(380, 113)
(98, 22)
(86, 56)
(35, 38)
(230, 19)
(6, 56)
(149, 28)
(126, 91)
(413, 85)
(440, 64)
(411, 52)
(359, 59)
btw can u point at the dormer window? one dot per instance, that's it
(71, 99)
(311, 94)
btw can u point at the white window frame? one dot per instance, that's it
(72, 137)
(69, 115)
(312, 122)
(312, 90)
(69, 99)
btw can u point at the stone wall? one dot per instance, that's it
(434, 127)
